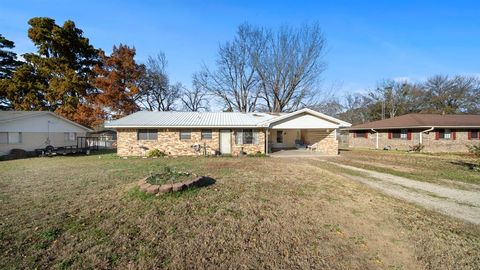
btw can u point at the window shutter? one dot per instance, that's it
(437, 135)
(454, 135)
(389, 135)
(366, 134)
(255, 136)
(469, 134)
(409, 135)
(239, 137)
(354, 134)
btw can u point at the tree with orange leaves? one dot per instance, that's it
(116, 81)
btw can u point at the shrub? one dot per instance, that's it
(155, 153)
(257, 154)
(416, 148)
(474, 149)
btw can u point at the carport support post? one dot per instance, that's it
(376, 138)
(266, 142)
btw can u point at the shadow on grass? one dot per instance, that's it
(469, 165)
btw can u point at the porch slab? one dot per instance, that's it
(297, 153)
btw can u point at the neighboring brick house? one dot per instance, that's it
(232, 133)
(437, 133)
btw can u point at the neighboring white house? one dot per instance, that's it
(35, 130)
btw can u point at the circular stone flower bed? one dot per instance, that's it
(171, 180)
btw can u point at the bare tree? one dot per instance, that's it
(391, 96)
(355, 111)
(460, 94)
(233, 81)
(288, 63)
(194, 99)
(156, 93)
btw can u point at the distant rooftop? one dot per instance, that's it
(423, 120)
(12, 115)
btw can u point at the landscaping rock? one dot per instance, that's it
(152, 189)
(178, 187)
(143, 181)
(144, 187)
(190, 183)
(165, 188)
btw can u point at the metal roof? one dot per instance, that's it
(190, 119)
(422, 120)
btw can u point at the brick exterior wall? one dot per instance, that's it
(169, 142)
(326, 141)
(428, 140)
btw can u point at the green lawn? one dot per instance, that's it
(86, 212)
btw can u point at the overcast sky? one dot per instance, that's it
(367, 40)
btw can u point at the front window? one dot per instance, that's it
(147, 134)
(360, 134)
(445, 134)
(10, 137)
(279, 136)
(70, 136)
(206, 134)
(400, 134)
(246, 136)
(475, 134)
(185, 134)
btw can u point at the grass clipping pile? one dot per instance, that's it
(171, 180)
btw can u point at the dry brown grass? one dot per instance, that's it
(448, 169)
(85, 212)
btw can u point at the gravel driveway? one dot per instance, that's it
(450, 201)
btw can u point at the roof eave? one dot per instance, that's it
(155, 126)
(407, 127)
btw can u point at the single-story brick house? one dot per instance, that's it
(232, 133)
(437, 133)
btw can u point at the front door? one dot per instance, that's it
(225, 141)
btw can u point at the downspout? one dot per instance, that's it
(376, 133)
(421, 133)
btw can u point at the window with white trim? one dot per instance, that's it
(185, 134)
(400, 134)
(445, 134)
(10, 137)
(147, 134)
(206, 134)
(246, 136)
(70, 136)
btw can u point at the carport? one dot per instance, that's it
(303, 131)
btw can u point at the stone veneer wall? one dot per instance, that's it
(429, 142)
(169, 142)
(326, 141)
